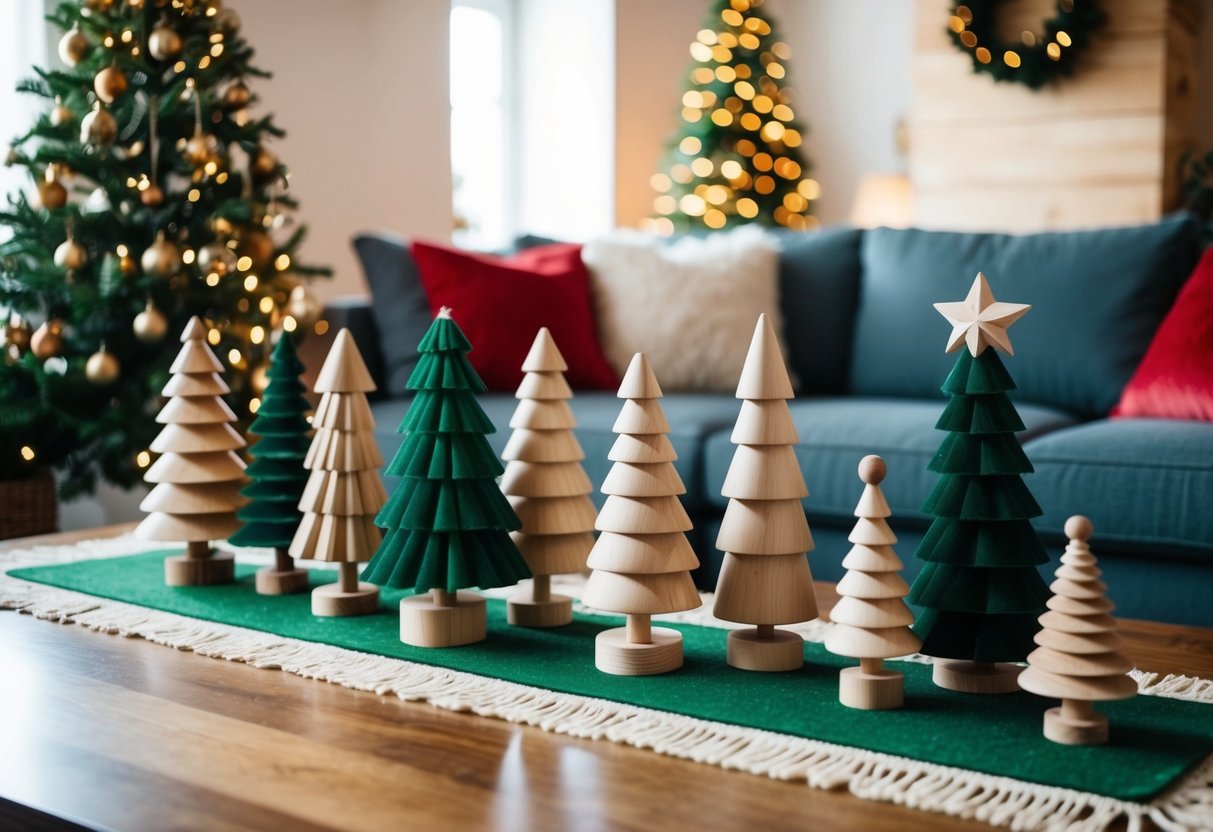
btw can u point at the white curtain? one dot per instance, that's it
(23, 44)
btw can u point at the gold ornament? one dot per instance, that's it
(127, 264)
(70, 255)
(73, 47)
(227, 21)
(162, 259)
(164, 42)
(303, 306)
(201, 148)
(263, 165)
(102, 368)
(17, 334)
(61, 114)
(256, 245)
(47, 340)
(51, 191)
(152, 195)
(150, 324)
(216, 258)
(99, 128)
(110, 83)
(236, 96)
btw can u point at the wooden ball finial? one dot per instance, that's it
(872, 469)
(1079, 527)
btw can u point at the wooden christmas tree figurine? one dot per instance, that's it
(871, 621)
(764, 578)
(979, 589)
(277, 472)
(1079, 658)
(343, 491)
(447, 524)
(198, 475)
(547, 487)
(642, 560)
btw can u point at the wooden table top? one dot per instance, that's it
(116, 733)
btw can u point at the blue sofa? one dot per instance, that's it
(868, 348)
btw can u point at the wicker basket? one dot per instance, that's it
(28, 506)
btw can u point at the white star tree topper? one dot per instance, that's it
(979, 321)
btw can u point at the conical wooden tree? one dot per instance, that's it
(871, 619)
(277, 472)
(447, 524)
(1080, 657)
(547, 486)
(198, 475)
(642, 560)
(343, 491)
(764, 578)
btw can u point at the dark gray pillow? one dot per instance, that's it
(398, 304)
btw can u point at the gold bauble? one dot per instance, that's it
(236, 96)
(256, 245)
(264, 164)
(52, 194)
(127, 265)
(99, 128)
(152, 195)
(47, 340)
(303, 306)
(61, 114)
(102, 368)
(70, 255)
(227, 21)
(110, 83)
(17, 334)
(201, 148)
(164, 43)
(150, 324)
(216, 258)
(73, 47)
(162, 259)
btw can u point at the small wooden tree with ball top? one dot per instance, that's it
(765, 578)
(277, 472)
(343, 491)
(1079, 657)
(447, 524)
(547, 487)
(198, 475)
(642, 560)
(871, 619)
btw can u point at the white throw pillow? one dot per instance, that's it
(689, 306)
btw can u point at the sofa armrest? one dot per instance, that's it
(353, 312)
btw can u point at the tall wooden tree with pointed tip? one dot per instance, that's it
(198, 475)
(277, 472)
(343, 491)
(642, 560)
(765, 578)
(1080, 658)
(979, 588)
(550, 496)
(871, 619)
(447, 524)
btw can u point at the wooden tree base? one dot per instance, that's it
(880, 691)
(426, 624)
(523, 611)
(1091, 729)
(216, 568)
(271, 581)
(614, 654)
(976, 677)
(783, 651)
(329, 601)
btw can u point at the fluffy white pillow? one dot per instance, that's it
(690, 306)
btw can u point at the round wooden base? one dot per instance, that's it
(219, 568)
(523, 611)
(614, 654)
(784, 651)
(270, 581)
(1076, 730)
(426, 624)
(329, 601)
(866, 691)
(976, 677)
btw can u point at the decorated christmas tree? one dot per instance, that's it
(155, 195)
(446, 526)
(277, 472)
(736, 156)
(979, 588)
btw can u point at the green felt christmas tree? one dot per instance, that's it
(277, 472)
(979, 589)
(447, 525)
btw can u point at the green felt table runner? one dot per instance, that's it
(1154, 740)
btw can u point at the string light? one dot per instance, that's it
(143, 459)
(27, 453)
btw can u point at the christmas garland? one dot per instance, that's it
(1032, 59)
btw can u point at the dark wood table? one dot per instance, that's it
(114, 733)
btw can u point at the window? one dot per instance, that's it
(23, 36)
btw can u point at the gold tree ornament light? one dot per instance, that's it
(736, 156)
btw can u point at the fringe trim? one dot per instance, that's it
(999, 801)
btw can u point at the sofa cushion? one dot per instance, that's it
(1145, 481)
(400, 308)
(692, 417)
(835, 433)
(1097, 297)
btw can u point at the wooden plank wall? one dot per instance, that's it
(1099, 148)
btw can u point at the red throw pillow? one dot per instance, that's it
(1175, 379)
(501, 302)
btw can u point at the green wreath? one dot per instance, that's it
(1033, 59)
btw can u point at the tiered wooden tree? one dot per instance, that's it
(343, 492)
(277, 472)
(871, 619)
(979, 589)
(765, 579)
(447, 524)
(547, 487)
(198, 475)
(642, 560)
(1079, 659)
